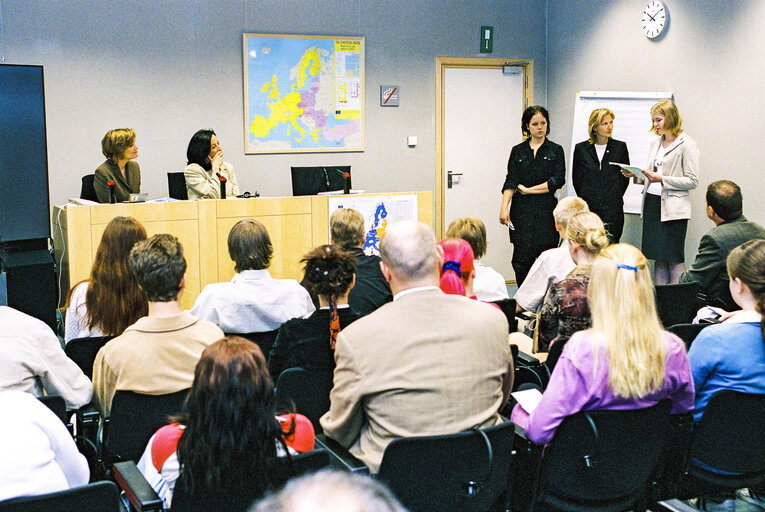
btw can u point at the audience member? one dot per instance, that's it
(488, 285)
(457, 270)
(565, 310)
(331, 491)
(120, 149)
(206, 168)
(110, 300)
(38, 453)
(427, 363)
(625, 361)
(725, 209)
(157, 354)
(553, 264)
(252, 301)
(310, 342)
(731, 355)
(229, 442)
(371, 289)
(32, 360)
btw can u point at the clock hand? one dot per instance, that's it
(652, 18)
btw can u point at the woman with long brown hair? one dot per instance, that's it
(110, 300)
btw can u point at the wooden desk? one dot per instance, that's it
(295, 224)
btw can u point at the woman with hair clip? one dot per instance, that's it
(310, 342)
(599, 183)
(205, 167)
(625, 361)
(225, 451)
(110, 300)
(565, 310)
(457, 270)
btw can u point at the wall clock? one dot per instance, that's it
(653, 19)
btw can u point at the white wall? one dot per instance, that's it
(711, 59)
(168, 68)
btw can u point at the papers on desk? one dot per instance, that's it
(163, 200)
(528, 398)
(637, 171)
(340, 192)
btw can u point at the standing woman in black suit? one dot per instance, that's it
(535, 170)
(599, 183)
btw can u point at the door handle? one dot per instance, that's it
(450, 178)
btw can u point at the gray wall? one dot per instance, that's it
(167, 68)
(710, 58)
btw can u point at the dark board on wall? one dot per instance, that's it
(23, 154)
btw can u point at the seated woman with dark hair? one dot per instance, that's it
(310, 342)
(110, 300)
(230, 441)
(206, 166)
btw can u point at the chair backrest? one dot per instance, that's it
(265, 340)
(676, 303)
(176, 185)
(729, 436)
(686, 332)
(83, 352)
(308, 181)
(100, 496)
(88, 190)
(134, 419)
(603, 457)
(466, 471)
(57, 405)
(305, 390)
(508, 308)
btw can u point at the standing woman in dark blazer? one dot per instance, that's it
(600, 184)
(535, 170)
(672, 172)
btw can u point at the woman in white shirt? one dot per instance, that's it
(206, 167)
(672, 171)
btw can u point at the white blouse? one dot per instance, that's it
(76, 325)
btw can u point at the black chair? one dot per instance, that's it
(676, 303)
(176, 185)
(467, 471)
(83, 352)
(96, 497)
(508, 308)
(727, 451)
(134, 419)
(686, 332)
(265, 340)
(88, 190)
(305, 392)
(602, 460)
(309, 181)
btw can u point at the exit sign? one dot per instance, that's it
(487, 36)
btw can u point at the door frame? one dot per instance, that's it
(442, 63)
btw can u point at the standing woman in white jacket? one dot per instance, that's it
(672, 171)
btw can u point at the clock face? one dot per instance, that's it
(653, 19)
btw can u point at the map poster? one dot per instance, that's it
(379, 212)
(303, 94)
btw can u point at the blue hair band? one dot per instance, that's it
(628, 267)
(452, 265)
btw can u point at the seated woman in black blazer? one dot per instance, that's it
(598, 182)
(310, 342)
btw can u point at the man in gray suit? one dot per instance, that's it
(425, 364)
(725, 209)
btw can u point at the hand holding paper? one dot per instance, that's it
(635, 171)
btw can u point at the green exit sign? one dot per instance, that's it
(487, 36)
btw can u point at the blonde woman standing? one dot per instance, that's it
(625, 361)
(672, 171)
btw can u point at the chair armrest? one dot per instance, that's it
(340, 457)
(527, 359)
(526, 469)
(137, 490)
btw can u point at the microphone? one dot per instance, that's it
(112, 194)
(223, 181)
(326, 176)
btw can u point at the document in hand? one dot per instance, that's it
(528, 398)
(637, 171)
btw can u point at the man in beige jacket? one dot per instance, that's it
(425, 364)
(157, 354)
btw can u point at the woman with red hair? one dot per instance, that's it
(457, 270)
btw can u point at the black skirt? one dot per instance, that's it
(662, 241)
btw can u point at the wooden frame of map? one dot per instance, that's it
(303, 94)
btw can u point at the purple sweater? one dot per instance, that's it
(577, 385)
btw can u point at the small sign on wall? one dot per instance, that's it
(389, 95)
(487, 39)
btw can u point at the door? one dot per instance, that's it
(481, 107)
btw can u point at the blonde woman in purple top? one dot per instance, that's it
(625, 361)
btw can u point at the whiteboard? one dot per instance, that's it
(632, 111)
